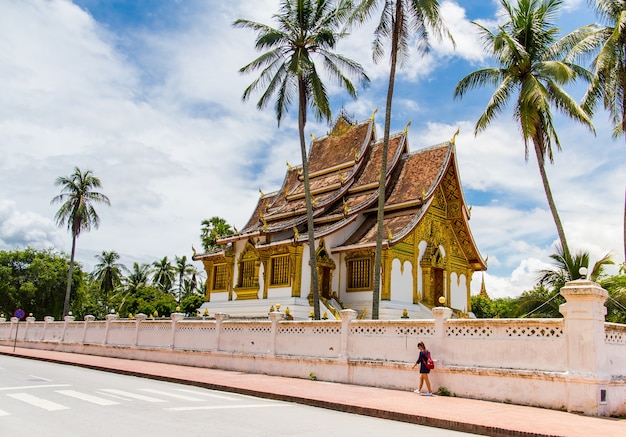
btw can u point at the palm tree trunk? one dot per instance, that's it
(66, 302)
(551, 204)
(307, 196)
(380, 217)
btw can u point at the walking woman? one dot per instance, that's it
(424, 371)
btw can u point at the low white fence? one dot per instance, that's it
(577, 363)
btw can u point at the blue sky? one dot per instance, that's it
(146, 94)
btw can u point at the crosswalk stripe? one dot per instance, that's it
(172, 395)
(225, 407)
(38, 402)
(25, 387)
(87, 397)
(131, 395)
(210, 395)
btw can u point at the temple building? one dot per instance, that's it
(428, 248)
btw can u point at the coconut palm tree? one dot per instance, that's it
(108, 273)
(567, 268)
(184, 270)
(609, 65)
(400, 20)
(530, 66)
(163, 274)
(307, 29)
(544, 300)
(77, 211)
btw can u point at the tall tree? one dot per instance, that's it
(163, 274)
(184, 270)
(609, 66)
(400, 20)
(531, 64)
(77, 210)
(307, 29)
(567, 268)
(211, 230)
(108, 273)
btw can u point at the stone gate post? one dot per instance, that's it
(275, 317)
(347, 316)
(587, 378)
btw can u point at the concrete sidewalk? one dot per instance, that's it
(467, 415)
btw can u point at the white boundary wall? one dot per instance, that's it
(577, 363)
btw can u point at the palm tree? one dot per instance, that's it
(567, 268)
(306, 29)
(138, 278)
(529, 55)
(163, 274)
(183, 269)
(108, 273)
(399, 20)
(609, 79)
(77, 198)
(213, 229)
(544, 300)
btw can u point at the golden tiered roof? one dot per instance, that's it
(344, 171)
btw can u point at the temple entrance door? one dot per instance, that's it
(437, 284)
(325, 279)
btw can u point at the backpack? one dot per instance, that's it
(430, 364)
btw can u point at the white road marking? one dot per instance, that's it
(38, 402)
(225, 407)
(131, 395)
(87, 397)
(40, 378)
(25, 387)
(172, 395)
(210, 395)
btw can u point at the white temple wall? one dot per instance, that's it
(401, 282)
(278, 292)
(219, 296)
(420, 274)
(536, 362)
(458, 292)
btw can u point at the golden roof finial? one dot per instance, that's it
(423, 193)
(235, 229)
(261, 193)
(346, 209)
(296, 234)
(406, 128)
(452, 141)
(193, 249)
(374, 114)
(342, 176)
(288, 165)
(314, 201)
(312, 137)
(389, 234)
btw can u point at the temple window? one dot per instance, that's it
(280, 271)
(359, 273)
(220, 275)
(247, 273)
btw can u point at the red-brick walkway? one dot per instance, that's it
(480, 417)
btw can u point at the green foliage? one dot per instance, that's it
(616, 303)
(144, 299)
(213, 229)
(503, 308)
(35, 281)
(190, 304)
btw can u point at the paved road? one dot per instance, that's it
(49, 399)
